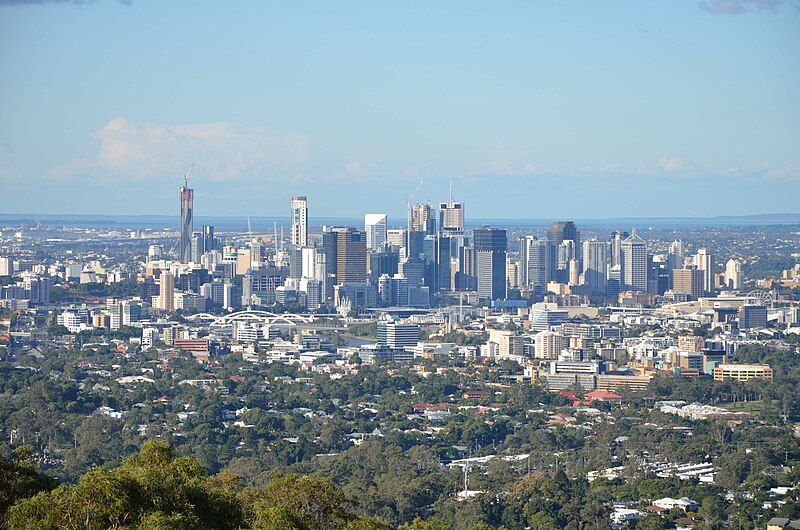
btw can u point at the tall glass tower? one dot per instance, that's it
(187, 206)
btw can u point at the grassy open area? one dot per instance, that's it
(744, 406)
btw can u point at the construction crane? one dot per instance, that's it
(186, 176)
(408, 208)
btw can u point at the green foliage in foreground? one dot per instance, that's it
(155, 490)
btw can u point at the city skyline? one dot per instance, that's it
(628, 107)
(400, 265)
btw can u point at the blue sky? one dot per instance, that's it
(534, 109)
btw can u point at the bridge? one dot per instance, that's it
(253, 315)
(269, 319)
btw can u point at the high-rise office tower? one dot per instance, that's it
(393, 290)
(384, 260)
(704, 261)
(573, 272)
(457, 242)
(616, 247)
(295, 261)
(535, 261)
(676, 255)
(634, 263)
(187, 206)
(6, 266)
(416, 244)
(413, 270)
(166, 291)
(351, 256)
(657, 275)
(208, 239)
(451, 216)
(566, 252)
(396, 237)
(244, 260)
(614, 280)
(466, 275)
(512, 273)
(733, 274)
(330, 240)
(444, 257)
(595, 265)
(375, 228)
(308, 262)
(422, 219)
(196, 247)
(430, 251)
(688, 282)
(490, 248)
(565, 230)
(300, 221)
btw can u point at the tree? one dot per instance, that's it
(152, 489)
(712, 511)
(300, 502)
(19, 480)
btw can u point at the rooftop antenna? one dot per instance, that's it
(451, 190)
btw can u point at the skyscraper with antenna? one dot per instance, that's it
(187, 226)
(451, 214)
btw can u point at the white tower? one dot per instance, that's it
(300, 221)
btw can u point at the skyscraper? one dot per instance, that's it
(6, 266)
(704, 261)
(330, 239)
(535, 256)
(688, 282)
(634, 263)
(196, 249)
(490, 247)
(166, 291)
(187, 206)
(300, 221)
(565, 231)
(375, 227)
(451, 216)
(733, 274)
(396, 237)
(676, 255)
(351, 256)
(595, 264)
(616, 247)
(422, 219)
(208, 238)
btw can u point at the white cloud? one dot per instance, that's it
(503, 162)
(670, 163)
(220, 151)
(353, 170)
(738, 7)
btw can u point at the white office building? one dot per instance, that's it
(375, 225)
(733, 274)
(300, 221)
(634, 263)
(704, 261)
